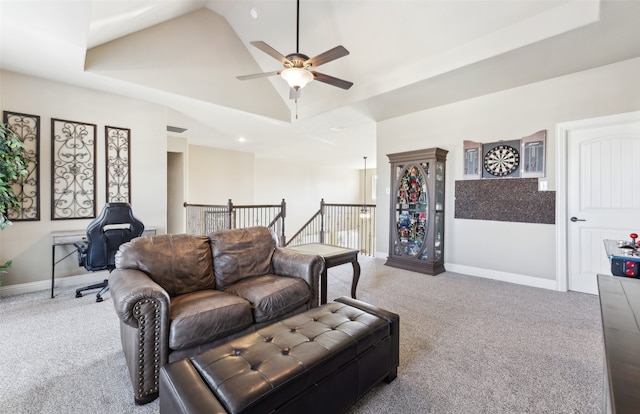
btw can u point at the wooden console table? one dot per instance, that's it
(67, 238)
(333, 256)
(620, 309)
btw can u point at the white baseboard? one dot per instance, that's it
(382, 255)
(525, 280)
(79, 280)
(494, 274)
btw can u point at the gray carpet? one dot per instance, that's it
(468, 345)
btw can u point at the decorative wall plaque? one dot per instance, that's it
(27, 128)
(73, 170)
(118, 151)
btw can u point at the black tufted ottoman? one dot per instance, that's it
(320, 361)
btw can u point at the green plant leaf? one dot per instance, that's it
(4, 267)
(13, 167)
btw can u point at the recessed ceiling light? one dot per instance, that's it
(242, 139)
(254, 12)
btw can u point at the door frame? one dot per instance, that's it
(562, 134)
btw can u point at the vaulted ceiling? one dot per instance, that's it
(405, 56)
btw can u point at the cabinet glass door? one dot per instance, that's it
(439, 213)
(412, 210)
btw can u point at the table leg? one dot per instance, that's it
(54, 263)
(323, 286)
(356, 277)
(53, 267)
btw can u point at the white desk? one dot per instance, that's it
(67, 238)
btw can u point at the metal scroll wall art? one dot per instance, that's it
(27, 128)
(73, 170)
(118, 153)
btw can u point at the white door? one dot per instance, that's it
(603, 195)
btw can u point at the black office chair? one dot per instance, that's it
(115, 225)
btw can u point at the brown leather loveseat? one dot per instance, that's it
(178, 295)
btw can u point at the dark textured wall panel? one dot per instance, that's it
(510, 199)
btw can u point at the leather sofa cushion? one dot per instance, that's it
(271, 296)
(180, 263)
(241, 253)
(200, 317)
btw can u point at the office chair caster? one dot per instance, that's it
(104, 286)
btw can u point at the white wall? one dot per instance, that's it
(369, 184)
(28, 244)
(303, 186)
(177, 183)
(214, 175)
(175, 193)
(518, 252)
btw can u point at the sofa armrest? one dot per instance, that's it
(130, 287)
(143, 309)
(302, 265)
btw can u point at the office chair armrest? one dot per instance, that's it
(82, 246)
(129, 288)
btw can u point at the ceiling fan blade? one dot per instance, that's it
(332, 54)
(321, 77)
(294, 94)
(270, 51)
(258, 75)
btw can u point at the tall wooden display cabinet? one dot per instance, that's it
(416, 225)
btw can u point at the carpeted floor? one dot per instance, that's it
(467, 345)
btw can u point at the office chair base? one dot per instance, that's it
(103, 286)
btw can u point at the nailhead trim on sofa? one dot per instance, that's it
(151, 388)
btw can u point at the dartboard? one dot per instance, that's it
(501, 160)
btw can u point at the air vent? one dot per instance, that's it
(177, 130)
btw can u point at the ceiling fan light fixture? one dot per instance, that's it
(297, 72)
(297, 78)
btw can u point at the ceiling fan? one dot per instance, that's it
(298, 68)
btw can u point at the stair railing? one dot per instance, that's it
(202, 219)
(345, 225)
